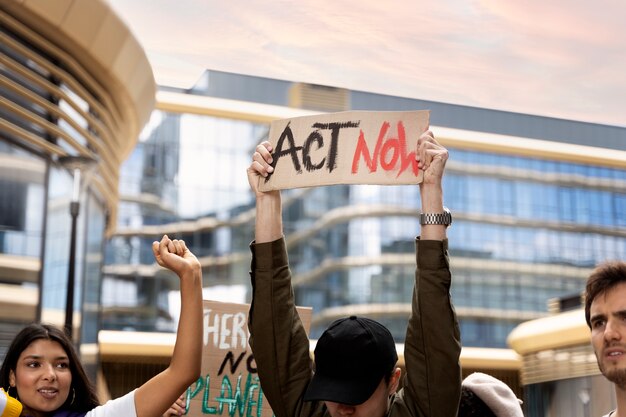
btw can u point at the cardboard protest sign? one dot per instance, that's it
(229, 384)
(360, 147)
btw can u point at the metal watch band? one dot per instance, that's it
(444, 218)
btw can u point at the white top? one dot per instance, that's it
(119, 407)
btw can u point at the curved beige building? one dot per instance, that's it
(99, 84)
(76, 88)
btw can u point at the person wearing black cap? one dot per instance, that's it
(355, 358)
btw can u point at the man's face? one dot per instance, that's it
(375, 406)
(608, 333)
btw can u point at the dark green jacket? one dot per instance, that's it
(432, 383)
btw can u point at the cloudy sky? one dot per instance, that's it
(559, 58)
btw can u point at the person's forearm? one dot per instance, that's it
(432, 202)
(155, 396)
(269, 220)
(186, 358)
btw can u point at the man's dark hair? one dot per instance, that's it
(472, 406)
(606, 276)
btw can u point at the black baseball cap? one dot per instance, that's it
(351, 358)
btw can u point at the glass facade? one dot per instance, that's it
(21, 201)
(526, 230)
(187, 171)
(58, 105)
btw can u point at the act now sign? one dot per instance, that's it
(360, 147)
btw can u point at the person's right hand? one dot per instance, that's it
(177, 409)
(174, 255)
(260, 167)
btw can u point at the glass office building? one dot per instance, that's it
(536, 201)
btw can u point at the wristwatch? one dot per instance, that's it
(444, 218)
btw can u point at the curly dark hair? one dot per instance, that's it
(85, 398)
(472, 406)
(603, 278)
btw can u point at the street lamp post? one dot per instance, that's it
(78, 165)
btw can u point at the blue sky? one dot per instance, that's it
(558, 58)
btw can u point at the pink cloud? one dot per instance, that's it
(562, 58)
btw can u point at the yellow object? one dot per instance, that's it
(9, 406)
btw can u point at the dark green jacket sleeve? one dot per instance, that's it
(279, 342)
(432, 384)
